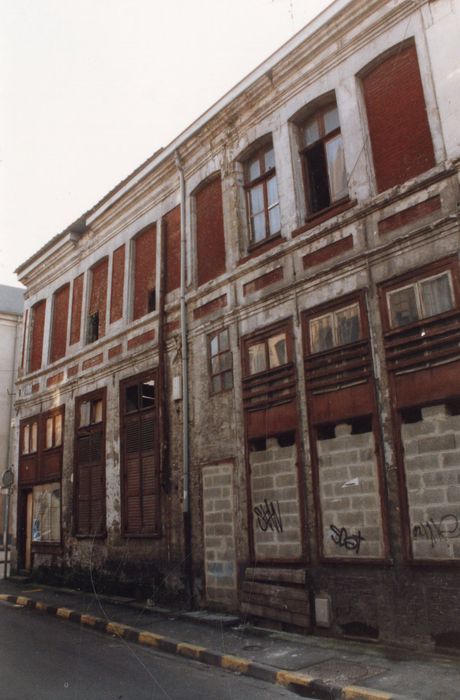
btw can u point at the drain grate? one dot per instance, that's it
(341, 672)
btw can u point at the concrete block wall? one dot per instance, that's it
(349, 495)
(275, 502)
(432, 466)
(219, 534)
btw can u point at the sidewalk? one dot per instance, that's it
(311, 666)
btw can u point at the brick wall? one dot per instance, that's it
(349, 495)
(77, 302)
(275, 502)
(219, 534)
(59, 325)
(36, 339)
(118, 276)
(398, 126)
(210, 242)
(432, 466)
(172, 237)
(98, 296)
(145, 247)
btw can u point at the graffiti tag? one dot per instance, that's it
(269, 516)
(446, 528)
(341, 538)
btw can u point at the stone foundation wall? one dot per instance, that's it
(349, 495)
(432, 465)
(275, 502)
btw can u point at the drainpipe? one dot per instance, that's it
(188, 568)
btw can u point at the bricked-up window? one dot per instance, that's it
(262, 194)
(140, 466)
(118, 276)
(36, 335)
(145, 256)
(398, 125)
(171, 222)
(323, 158)
(335, 328)
(77, 302)
(95, 326)
(90, 465)
(421, 299)
(210, 241)
(59, 325)
(220, 357)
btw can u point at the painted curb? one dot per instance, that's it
(299, 683)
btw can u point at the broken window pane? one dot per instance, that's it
(148, 394)
(318, 177)
(336, 168)
(257, 359)
(277, 350)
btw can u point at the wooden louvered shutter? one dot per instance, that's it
(140, 474)
(90, 498)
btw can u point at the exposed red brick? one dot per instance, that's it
(55, 379)
(116, 350)
(264, 281)
(35, 388)
(92, 361)
(327, 252)
(145, 255)
(38, 328)
(24, 336)
(210, 307)
(210, 241)
(118, 276)
(77, 302)
(59, 325)
(390, 223)
(172, 240)
(72, 371)
(172, 326)
(398, 126)
(141, 339)
(261, 248)
(324, 216)
(98, 295)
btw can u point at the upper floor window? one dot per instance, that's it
(423, 298)
(221, 361)
(267, 353)
(29, 438)
(335, 328)
(144, 260)
(323, 157)
(262, 194)
(53, 431)
(97, 301)
(36, 336)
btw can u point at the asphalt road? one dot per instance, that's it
(45, 658)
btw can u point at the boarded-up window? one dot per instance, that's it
(118, 275)
(210, 240)
(40, 447)
(97, 302)
(90, 466)
(77, 300)
(145, 247)
(172, 238)
(140, 472)
(398, 126)
(59, 326)
(37, 333)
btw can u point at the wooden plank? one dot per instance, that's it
(275, 575)
(279, 615)
(285, 592)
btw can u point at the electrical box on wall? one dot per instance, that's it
(323, 610)
(177, 388)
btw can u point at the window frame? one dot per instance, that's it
(258, 153)
(211, 374)
(317, 112)
(263, 337)
(334, 307)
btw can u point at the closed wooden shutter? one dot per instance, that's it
(141, 483)
(90, 496)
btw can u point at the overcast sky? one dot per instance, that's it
(91, 88)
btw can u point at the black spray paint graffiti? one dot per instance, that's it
(341, 538)
(269, 516)
(447, 528)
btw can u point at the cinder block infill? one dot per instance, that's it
(301, 684)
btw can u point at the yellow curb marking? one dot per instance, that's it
(151, 640)
(116, 628)
(32, 590)
(3, 596)
(39, 605)
(64, 612)
(191, 650)
(22, 600)
(88, 620)
(234, 663)
(354, 692)
(286, 677)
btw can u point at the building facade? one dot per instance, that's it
(240, 371)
